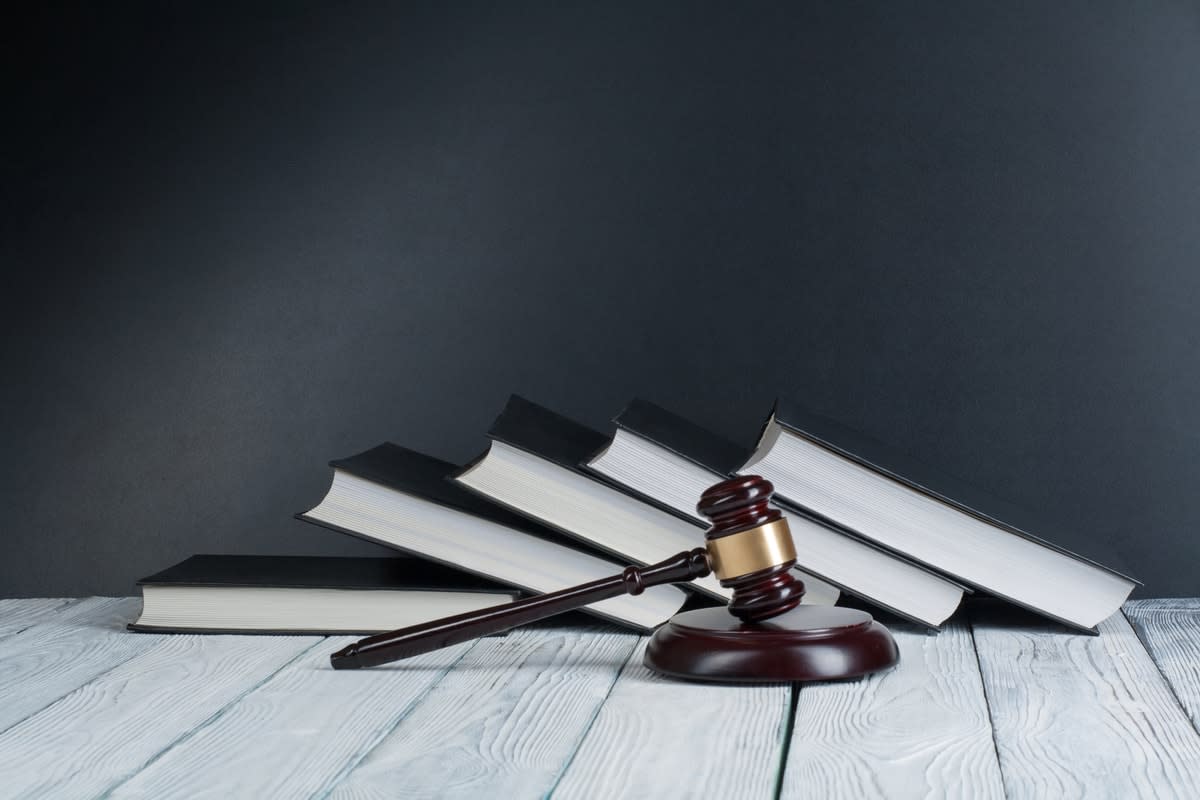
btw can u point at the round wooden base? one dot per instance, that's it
(808, 643)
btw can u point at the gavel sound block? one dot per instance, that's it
(764, 636)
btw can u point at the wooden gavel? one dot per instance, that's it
(748, 547)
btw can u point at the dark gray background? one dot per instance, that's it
(241, 241)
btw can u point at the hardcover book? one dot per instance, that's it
(303, 594)
(669, 460)
(533, 465)
(404, 499)
(881, 494)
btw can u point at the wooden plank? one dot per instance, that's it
(918, 730)
(17, 615)
(1170, 629)
(297, 734)
(1083, 716)
(57, 656)
(107, 729)
(503, 724)
(661, 738)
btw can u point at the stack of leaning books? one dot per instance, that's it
(552, 503)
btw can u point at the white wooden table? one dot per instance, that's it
(988, 708)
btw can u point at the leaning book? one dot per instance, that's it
(404, 499)
(671, 460)
(884, 495)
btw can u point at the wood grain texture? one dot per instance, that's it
(1166, 603)
(108, 729)
(503, 724)
(295, 735)
(920, 729)
(112, 613)
(57, 656)
(663, 739)
(17, 615)
(1074, 716)
(1170, 630)
(1083, 716)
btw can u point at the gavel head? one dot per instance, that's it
(750, 548)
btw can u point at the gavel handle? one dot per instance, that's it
(426, 637)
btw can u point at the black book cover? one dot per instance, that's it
(682, 437)
(428, 478)
(314, 572)
(562, 441)
(321, 572)
(424, 476)
(546, 434)
(921, 477)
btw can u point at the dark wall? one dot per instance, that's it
(238, 243)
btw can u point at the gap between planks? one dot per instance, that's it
(501, 724)
(1083, 716)
(50, 659)
(296, 733)
(111, 727)
(920, 729)
(661, 738)
(1170, 631)
(1125, 682)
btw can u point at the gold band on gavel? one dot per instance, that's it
(751, 550)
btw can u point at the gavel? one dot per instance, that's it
(763, 635)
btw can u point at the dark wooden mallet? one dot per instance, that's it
(765, 634)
